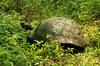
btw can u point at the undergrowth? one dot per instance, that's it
(16, 51)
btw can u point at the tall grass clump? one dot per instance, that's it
(80, 10)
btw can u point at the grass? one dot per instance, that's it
(16, 51)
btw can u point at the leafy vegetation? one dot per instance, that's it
(16, 51)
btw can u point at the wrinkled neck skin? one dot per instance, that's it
(31, 38)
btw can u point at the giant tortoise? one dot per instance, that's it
(64, 31)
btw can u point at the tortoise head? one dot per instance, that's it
(26, 25)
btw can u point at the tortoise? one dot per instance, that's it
(64, 31)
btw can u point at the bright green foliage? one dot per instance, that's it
(16, 51)
(10, 29)
(12, 38)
